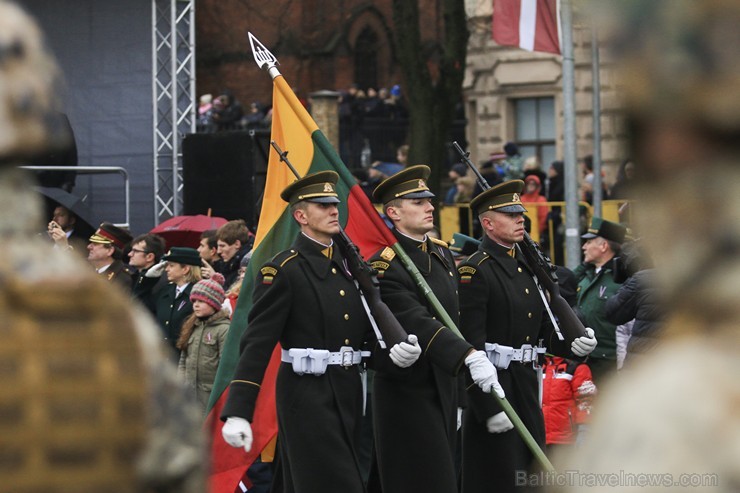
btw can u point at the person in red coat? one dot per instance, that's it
(567, 394)
(532, 187)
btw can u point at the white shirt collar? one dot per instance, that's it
(318, 242)
(423, 240)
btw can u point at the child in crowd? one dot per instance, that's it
(568, 392)
(202, 338)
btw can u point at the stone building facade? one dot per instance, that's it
(515, 95)
(510, 94)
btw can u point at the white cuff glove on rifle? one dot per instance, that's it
(237, 432)
(582, 346)
(483, 373)
(499, 423)
(405, 354)
(156, 269)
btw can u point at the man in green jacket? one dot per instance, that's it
(596, 285)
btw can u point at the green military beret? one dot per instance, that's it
(606, 229)
(463, 244)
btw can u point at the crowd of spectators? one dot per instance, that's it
(225, 112)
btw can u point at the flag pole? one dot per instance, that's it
(572, 232)
(265, 59)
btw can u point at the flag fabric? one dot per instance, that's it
(309, 151)
(532, 25)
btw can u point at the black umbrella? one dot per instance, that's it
(86, 224)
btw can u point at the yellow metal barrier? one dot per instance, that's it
(458, 218)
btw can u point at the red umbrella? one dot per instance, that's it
(185, 231)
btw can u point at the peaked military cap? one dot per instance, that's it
(318, 187)
(606, 229)
(109, 234)
(409, 183)
(183, 255)
(505, 197)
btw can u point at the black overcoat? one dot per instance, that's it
(171, 311)
(499, 303)
(302, 299)
(414, 409)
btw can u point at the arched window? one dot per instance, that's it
(366, 59)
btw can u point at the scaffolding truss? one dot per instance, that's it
(173, 98)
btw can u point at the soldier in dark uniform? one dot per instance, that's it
(306, 300)
(105, 251)
(173, 304)
(502, 312)
(418, 405)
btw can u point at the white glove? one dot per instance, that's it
(582, 346)
(405, 354)
(237, 432)
(499, 423)
(156, 269)
(484, 373)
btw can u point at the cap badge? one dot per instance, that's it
(328, 187)
(422, 184)
(515, 198)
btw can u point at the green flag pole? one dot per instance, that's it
(265, 59)
(445, 318)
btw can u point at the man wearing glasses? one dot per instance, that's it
(146, 251)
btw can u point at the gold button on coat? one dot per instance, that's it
(529, 314)
(333, 270)
(341, 292)
(346, 316)
(519, 269)
(526, 290)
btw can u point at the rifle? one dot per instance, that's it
(543, 269)
(366, 277)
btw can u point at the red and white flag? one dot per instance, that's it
(533, 25)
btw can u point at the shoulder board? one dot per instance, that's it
(284, 257)
(478, 258)
(387, 254)
(380, 265)
(439, 242)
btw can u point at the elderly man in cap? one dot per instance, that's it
(502, 312)
(306, 300)
(105, 251)
(596, 284)
(418, 405)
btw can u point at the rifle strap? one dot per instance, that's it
(549, 311)
(381, 342)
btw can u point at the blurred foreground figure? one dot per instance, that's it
(88, 399)
(675, 411)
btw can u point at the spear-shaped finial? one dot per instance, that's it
(263, 57)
